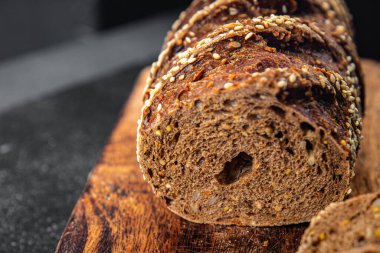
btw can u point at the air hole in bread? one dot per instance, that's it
(279, 135)
(306, 127)
(235, 168)
(337, 178)
(252, 117)
(256, 96)
(309, 146)
(245, 127)
(229, 102)
(176, 137)
(319, 170)
(360, 240)
(198, 103)
(168, 201)
(289, 150)
(201, 161)
(150, 172)
(322, 134)
(279, 111)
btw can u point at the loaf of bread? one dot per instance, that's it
(352, 226)
(252, 112)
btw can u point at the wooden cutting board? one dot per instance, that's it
(118, 212)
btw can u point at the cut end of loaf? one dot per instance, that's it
(352, 226)
(242, 157)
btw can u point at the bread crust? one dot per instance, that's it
(304, 64)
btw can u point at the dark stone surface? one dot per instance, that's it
(47, 148)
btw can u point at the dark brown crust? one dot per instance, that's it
(306, 61)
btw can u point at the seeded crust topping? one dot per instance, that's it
(288, 30)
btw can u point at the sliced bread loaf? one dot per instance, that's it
(255, 121)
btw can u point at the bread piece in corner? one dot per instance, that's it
(350, 226)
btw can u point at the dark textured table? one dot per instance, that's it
(47, 148)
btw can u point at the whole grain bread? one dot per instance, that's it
(352, 226)
(252, 112)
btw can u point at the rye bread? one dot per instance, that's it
(352, 226)
(255, 121)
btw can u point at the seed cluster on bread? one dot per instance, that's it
(253, 111)
(350, 226)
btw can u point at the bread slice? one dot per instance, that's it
(255, 121)
(350, 226)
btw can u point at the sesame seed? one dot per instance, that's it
(216, 56)
(230, 25)
(172, 79)
(158, 132)
(228, 85)
(183, 61)
(175, 68)
(181, 77)
(322, 81)
(279, 21)
(263, 80)
(325, 6)
(238, 28)
(340, 29)
(260, 27)
(281, 83)
(191, 60)
(233, 11)
(169, 128)
(248, 36)
(292, 78)
(332, 78)
(284, 9)
(288, 22)
(159, 107)
(235, 44)
(188, 40)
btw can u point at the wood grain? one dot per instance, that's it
(118, 212)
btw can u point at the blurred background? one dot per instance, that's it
(31, 25)
(66, 69)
